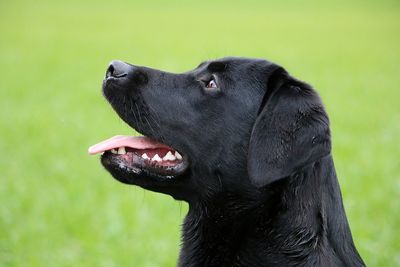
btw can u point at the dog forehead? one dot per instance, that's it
(234, 60)
(251, 66)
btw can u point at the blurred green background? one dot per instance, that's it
(60, 208)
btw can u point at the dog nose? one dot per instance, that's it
(117, 69)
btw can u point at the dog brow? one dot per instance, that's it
(216, 66)
(201, 64)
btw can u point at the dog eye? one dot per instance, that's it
(212, 84)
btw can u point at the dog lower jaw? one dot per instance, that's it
(176, 186)
(130, 165)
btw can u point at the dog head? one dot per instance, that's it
(228, 125)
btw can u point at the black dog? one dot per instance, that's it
(254, 161)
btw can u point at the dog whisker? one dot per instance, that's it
(133, 112)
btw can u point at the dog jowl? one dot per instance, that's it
(248, 147)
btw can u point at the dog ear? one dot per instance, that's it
(290, 131)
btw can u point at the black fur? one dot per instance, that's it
(261, 184)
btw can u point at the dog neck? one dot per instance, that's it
(294, 218)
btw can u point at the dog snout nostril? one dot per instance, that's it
(117, 69)
(110, 71)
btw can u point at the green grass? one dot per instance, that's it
(60, 208)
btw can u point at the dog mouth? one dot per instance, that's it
(140, 155)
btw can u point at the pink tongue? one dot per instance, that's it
(138, 142)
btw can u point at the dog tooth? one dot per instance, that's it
(169, 156)
(144, 156)
(114, 151)
(177, 155)
(121, 150)
(156, 158)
